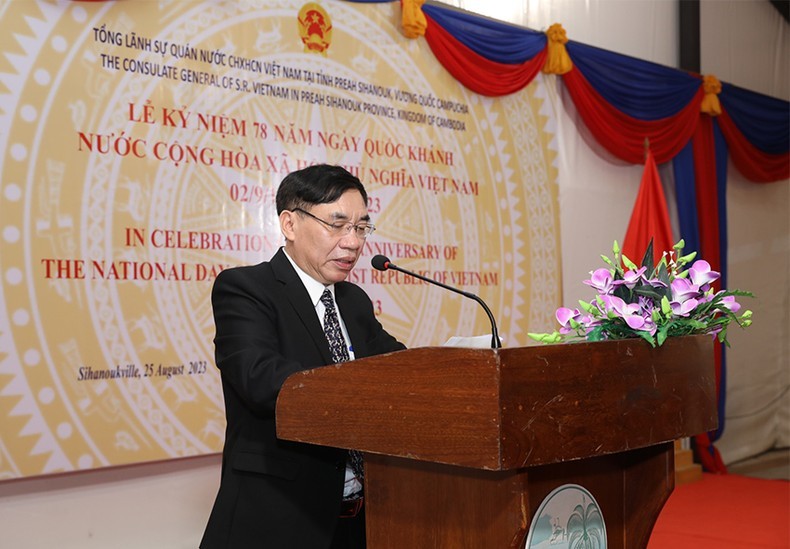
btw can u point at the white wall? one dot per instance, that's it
(597, 191)
(646, 29)
(743, 42)
(165, 505)
(757, 413)
(748, 44)
(151, 506)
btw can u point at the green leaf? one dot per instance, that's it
(663, 274)
(596, 334)
(554, 337)
(709, 316)
(647, 259)
(649, 291)
(629, 264)
(687, 258)
(623, 293)
(647, 337)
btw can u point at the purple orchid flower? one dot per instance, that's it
(715, 331)
(728, 302)
(683, 289)
(631, 278)
(590, 325)
(629, 312)
(701, 274)
(646, 305)
(656, 283)
(683, 308)
(686, 297)
(601, 280)
(565, 316)
(649, 326)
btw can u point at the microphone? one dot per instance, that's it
(382, 263)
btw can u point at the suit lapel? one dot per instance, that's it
(300, 300)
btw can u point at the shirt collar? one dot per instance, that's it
(314, 288)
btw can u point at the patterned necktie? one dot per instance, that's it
(337, 346)
(337, 343)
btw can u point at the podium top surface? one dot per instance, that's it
(506, 408)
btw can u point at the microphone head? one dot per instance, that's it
(380, 262)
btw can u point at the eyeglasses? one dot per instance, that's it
(339, 228)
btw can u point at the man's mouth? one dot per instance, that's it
(345, 262)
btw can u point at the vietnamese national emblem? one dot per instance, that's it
(315, 28)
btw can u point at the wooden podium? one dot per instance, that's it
(462, 446)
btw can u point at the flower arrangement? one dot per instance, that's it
(653, 303)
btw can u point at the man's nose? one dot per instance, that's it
(351, 241)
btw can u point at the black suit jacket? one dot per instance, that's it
(274, 493)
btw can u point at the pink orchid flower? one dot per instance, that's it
(683, 308)
(601, 280)
(728, 302)
(701, 274)
(683, 290)
(630, 312)
(631, 278)
(564, 316)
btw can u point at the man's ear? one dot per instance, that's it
(287, 219)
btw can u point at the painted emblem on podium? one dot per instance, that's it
(569, 517)
(315, 28)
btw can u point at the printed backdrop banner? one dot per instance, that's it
(141, 146)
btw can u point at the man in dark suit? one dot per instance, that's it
(269, 324)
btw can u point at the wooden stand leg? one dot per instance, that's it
(429, 505)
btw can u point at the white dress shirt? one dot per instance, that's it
(315, 290)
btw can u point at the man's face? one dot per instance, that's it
(325, 256)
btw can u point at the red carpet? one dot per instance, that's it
(725, 512)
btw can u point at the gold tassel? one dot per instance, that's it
(557, 61)
(710, 103)
(413, 19)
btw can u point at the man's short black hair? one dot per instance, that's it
(319, 184)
